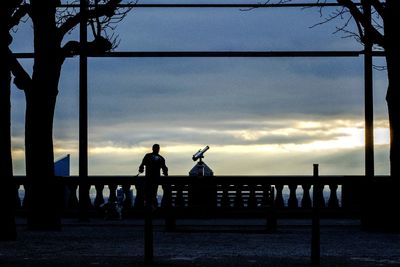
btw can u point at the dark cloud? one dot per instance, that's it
(229, 29)
(222, 89)
(222, 102)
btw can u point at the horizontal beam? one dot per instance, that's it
(216, 5)
(234, 54)
(215, 54)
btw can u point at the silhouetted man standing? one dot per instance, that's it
(153, 162)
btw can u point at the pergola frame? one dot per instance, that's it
(368, 54)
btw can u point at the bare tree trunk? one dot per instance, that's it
(392, 97)
(381, 213)
(44, 192)
(392, 49)
(8, 190)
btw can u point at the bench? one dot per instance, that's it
(205, 198)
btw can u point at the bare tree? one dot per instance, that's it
(376, 23)
(10, 14)
(51, 24)
(8, 190)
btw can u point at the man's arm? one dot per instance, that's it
(144, 163)
(164, 168)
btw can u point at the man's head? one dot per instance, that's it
(156, 148)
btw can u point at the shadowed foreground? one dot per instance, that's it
(120, 243)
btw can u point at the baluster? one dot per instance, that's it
(194, 195)
(333, 201)
(292, 202)
(173, 195)
(279, 203)
(139, 199)
(17, 198)
(214, 195)
(179, 201)
(72, 199)
(166, 201)
(113, 193)
(252, 201)
(321, 197)
(99, 200)
(266, 191)
(127, 204)
(225, 196)
(319, 190)
(185, 195)
(218, 195)
(155, 195)
(270, 196)
(166, 204)
(232, 194)
(245, 194)
(239, 197)
(25, 200)
(306, 200)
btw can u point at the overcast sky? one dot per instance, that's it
(258, 115)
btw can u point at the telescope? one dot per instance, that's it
(200, 169)
(200, 154)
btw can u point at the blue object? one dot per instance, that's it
(61, 166)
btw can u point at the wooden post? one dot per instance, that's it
(315, 233)
(148, 222)
(83, 117)
(368, 98)
(367, 212)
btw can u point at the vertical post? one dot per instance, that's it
(83, 116)
(315, 232)
(148, 222)
(368, 87)
(351, 195)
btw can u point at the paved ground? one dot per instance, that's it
(120, 243)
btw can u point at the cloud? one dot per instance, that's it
(222, 87)
(259, 115)
(281, 147)
(229, 29)
(237, 160)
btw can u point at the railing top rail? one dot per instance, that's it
(225, 179)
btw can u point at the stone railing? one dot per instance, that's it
(292, 194)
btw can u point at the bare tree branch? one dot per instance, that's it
(373, 33)
(22, 79)
(17, 16)
(107, 10)
(338, 13)
(378, 6)
(97, 46)
(12, 14)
